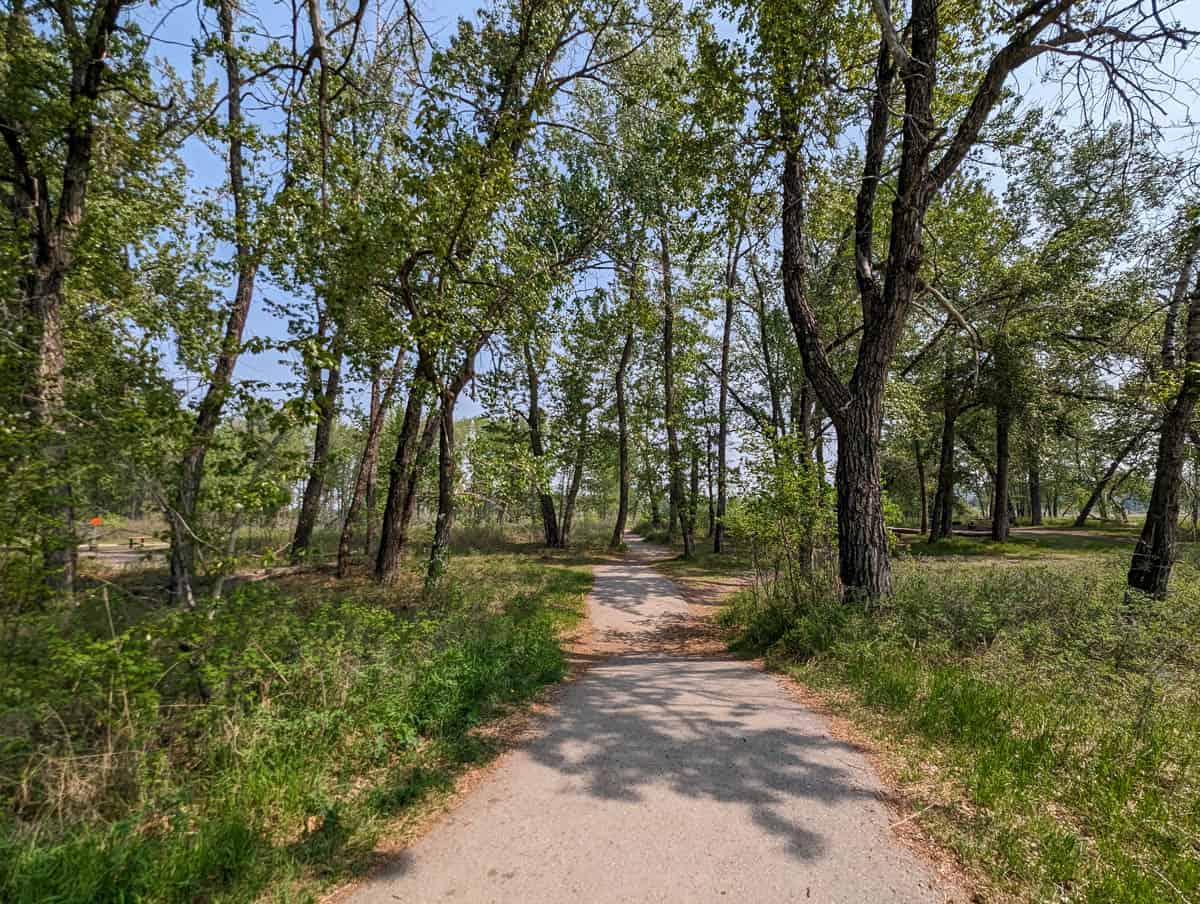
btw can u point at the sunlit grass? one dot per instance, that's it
(266, 742)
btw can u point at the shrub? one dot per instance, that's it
(162, 754)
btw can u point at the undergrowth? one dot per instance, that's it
(1050, 725)
(259, 744)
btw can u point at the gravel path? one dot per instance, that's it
(665, 776)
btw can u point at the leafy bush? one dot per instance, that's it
(160, 754)
(785, 519)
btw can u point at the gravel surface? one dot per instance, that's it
(662, 775)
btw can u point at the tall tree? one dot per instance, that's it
(1150, 571)
(936, 134)
(247, 250)
(59, 60)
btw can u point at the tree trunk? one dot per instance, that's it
(1179, 297)
(675, 496)
(768, 362)
(1098, 490)
(310, 506)
(818, 443)
(622, 445)
(368, 466)
(723, 415)
(689, 526)
(60, 554)
(439, 551)
(1035, 493)
(393, 535)
(708, 473)
(919, 457)
(568, 509)
(862, 537)
(185, 505)
(1150, 571)
(943, 498)
(1000, 519)
(550, 528)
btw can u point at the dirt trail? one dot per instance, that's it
(666, 775)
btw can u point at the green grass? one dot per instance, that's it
(733, 561)
(1021, 545)
(1051, 731)
(262, 746)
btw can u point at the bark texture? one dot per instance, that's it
(184, 505)
(622, 444)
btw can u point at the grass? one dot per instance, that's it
(704, 563)
(260, 747)
(1021, 545)
(1046, 732)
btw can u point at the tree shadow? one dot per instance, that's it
(703, 727)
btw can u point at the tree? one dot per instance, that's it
(59, 60)
(1150, 571)
(247, 255)
(932, 147)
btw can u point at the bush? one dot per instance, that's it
(785, 519)
(160, 754)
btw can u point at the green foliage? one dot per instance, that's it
(785, 518)
(165, 755)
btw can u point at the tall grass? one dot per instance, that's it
(1053, 725)
(152, 754)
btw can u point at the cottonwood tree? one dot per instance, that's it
(946, 101)
(1150, 570)
(487, 91)
(66, 68)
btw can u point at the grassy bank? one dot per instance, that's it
(262, 744)
(1045, 732)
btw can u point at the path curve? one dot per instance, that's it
(662, 776)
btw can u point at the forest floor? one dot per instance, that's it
(670, 770)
